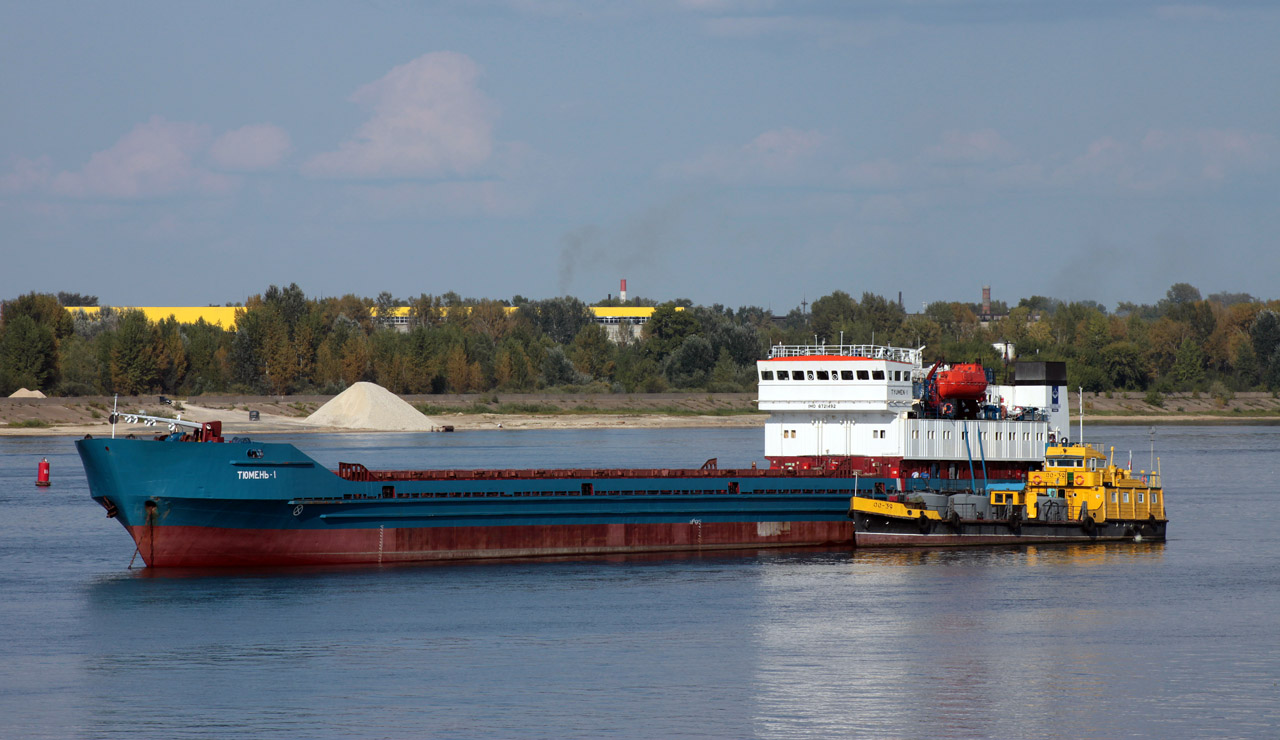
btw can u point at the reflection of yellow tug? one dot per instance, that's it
(1080, 496)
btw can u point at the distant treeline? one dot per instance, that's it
(284, 342)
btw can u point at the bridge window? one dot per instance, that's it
(862, 375)
(1155, 497)
(822, 375)
(846, 375)
(877, 375)
(766, 375)
(1126, 497)
(1140, 498)
(797, 375)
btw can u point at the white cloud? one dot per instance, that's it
(1163, 160)
(972, 147)
(429, 120)
(27, 175)
(156, 158)
(259, 146)
(781, 155)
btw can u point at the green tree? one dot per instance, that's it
(1248, 372)
(41, 308)
(558, 370)
(724, 375)
(28, 356)
(132, 365)
(1182, 293)
(280, 354)
(592, 352)
(559, 318)
(1124, 367)
(170, 349)
(690, 366)
(78, 360)
(208, 349)
(1188, 365)
(832, 314)
(667, 329)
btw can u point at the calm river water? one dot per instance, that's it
(1180, 640)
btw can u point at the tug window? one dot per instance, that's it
(797, 375)
(782, 375)
(1126, 497)
(766, 375)
(877, 375)
(862, 375)
(1139, 496)
(822, 375)
(846, 375)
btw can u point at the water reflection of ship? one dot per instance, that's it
(1092, 554)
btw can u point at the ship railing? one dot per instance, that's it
(359, 473)
(870, 351)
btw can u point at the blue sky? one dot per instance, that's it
(746, 152)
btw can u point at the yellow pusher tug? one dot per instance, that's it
(1079, 496)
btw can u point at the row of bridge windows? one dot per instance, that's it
(897, 375)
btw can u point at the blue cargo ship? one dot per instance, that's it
(843, 420)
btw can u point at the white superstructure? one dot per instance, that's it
(838, 401)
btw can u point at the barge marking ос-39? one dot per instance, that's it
(845, 422)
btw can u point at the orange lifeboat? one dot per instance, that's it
(966, 381)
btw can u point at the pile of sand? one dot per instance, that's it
(370, 406)
(24, 393)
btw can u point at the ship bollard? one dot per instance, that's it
(42, 473)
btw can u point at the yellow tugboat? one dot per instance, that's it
(1079, 496)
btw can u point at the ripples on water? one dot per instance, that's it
(1146, 640)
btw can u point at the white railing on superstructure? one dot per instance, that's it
(872, 351)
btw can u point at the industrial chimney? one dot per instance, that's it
(986, 300)
(622, 293)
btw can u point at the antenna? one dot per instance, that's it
(1081, 390)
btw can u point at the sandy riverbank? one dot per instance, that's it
(287, 414)
(78, 417)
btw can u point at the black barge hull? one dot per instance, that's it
(872, 530)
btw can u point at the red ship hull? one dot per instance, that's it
(189, 546)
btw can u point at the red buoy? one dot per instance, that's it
(42, 473)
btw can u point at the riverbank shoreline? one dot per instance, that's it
(471, 412)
